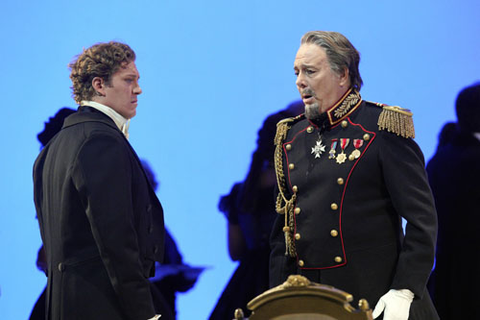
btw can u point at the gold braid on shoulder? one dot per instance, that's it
(283, 205)
(396, 120)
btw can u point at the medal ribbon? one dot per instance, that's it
(344, 143)
(334, 144)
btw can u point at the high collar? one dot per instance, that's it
(121, 123)
(345, 106)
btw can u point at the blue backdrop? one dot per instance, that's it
(211, 71)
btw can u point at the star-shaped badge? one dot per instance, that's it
(318, 149)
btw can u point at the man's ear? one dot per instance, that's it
(344, 78)
(98, 85)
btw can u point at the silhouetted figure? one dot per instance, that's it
(250, 211)
(172, 275)
(52, 127)
(454, 175)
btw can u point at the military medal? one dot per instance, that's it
(342, 156)
(319, 148)
(332, 149)
(357, 144)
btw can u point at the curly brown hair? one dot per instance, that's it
(100, 60)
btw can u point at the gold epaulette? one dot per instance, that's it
(396, 120)
(282, 129)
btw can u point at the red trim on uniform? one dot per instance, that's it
(329, 110)
(348, 179)
(342, 199)
(355, 107)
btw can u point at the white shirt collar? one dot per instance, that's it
(119, 120)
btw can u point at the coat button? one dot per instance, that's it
(334, 206)
(340, 181)
(288, 147)
(301, 263)
(334, 233)
(155, 249)
(61, 267)
(297, 210)
(149, 208)
(297, 236)
(150, 229)
(291, 166)
(344, 123)
(351, 157)
(366, 137)
(338, 259)
(295, 189)
(310, 129)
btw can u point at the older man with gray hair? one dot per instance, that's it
(348, 171)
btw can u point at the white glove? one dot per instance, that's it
(155, 317)
(396, 304)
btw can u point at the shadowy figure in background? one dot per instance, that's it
(250, 211)
(52, 127)
(172, 275)
(454, 175)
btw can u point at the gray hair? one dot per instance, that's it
(340, 52)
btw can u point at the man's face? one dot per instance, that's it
(122, 91)
(320, 88)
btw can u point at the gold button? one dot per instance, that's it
(295, 188)
(338, 259)
(351, 157)
(340, 181)
(297, 210)
(366, 137)
(288, 147)
(334, 206)
(300, 263)
(334, 233)
(344, 123)
(297, 236)
(291, 166)
(310, 129)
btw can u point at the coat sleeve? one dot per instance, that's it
(102, 173)
(403, 168)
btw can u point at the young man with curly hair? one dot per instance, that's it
(100, 220)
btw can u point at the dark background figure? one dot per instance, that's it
(52, 127)
(172, 275)
(250, 211)
(454, 175)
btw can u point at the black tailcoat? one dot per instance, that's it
(100, 221)
(347, 222)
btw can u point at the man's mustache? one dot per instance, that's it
(309, 92)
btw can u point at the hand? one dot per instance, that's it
(395, 304)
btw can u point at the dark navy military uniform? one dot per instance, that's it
(351, 184)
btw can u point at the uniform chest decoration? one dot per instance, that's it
(337, 112)
(344, 143)
(319, 148)
(300, 162)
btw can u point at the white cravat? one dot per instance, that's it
(122, 123)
